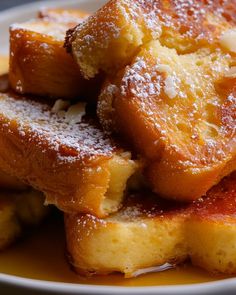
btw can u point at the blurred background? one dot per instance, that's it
(4, 4)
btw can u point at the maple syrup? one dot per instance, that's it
(41, 255)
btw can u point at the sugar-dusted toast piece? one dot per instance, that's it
(149, 232)
(146, 232)
(179, 112)
(109, 39)
(63, 155)
(17, 211)
(7, 181)
(39, 64)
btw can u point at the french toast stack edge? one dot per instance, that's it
(44, 142)
(169, 93)
(153, 232)
(170, 85)
(165, 130)
(21, 207)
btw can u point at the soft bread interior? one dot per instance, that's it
(70, 159)
(149, 232)
(109, 39)
(178, 112)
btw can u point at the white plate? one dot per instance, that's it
(16, 285)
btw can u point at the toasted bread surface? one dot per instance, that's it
(179, 112)
(143, 234)
(7, 181)
(72, 162)
(39, 64)
(150, 232)
(110, 38)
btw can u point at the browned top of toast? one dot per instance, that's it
(220, 202)
(178, 111)
(180, 107)
(37, 57)
(62, 152)
(71, 141)
(114, 34)
(193, 18)
(147, 205)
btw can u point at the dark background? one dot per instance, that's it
(4, 4)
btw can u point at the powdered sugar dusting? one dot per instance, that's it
(36, 122)
(174, 94)
(122, 26)
(170, 87)
(140, 81)
(139, 207)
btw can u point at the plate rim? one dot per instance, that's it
(218, 287)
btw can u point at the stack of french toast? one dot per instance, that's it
(126, 121)
(21, 207)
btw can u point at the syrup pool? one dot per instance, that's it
(41, 255)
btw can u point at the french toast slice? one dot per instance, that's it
(146, 232)
(39, 64)
(18, 211)
(63, 155)
(108, 40)
(179, 113)
(150, 232)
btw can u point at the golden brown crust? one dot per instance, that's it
(7, 181)
(98, 246)
(178, 111)
(110, 38)
(38, 59)
(168, 102)
(39, 64)
(219, 203)
(73, 164)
